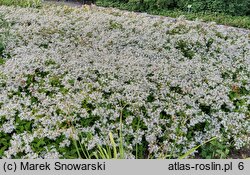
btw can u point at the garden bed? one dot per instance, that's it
(71, 76)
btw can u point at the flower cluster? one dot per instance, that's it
(79, 73)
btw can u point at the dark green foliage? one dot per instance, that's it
(2, 119)
(92, 118)
(209, 43)
(227, 12)
(205, 109)
(2, 61)
(150, 98)
(44, 45)
(1, 48)
(38, 144)
(88, 106)
(142, 151)
(215, 149)
(22, 125)
(233, 7)
(4, 33)
(198, 127)
(137, 123)
(90, 121)
(164, 115)
(4, 142)
(176, 89)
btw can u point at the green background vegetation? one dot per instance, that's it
(232, 7)
(227, 12)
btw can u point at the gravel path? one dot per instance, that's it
(72, 3)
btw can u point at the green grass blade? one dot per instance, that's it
(77, 149)
(113, 144)
(94, 154)
(85, 153)
(121, 149)
(195, 148)
(103, 153)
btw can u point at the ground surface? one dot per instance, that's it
(72, 3)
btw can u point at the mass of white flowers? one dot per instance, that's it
(74, 73)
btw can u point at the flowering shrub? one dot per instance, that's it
(74, 73)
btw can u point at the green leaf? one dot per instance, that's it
(195, 148)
